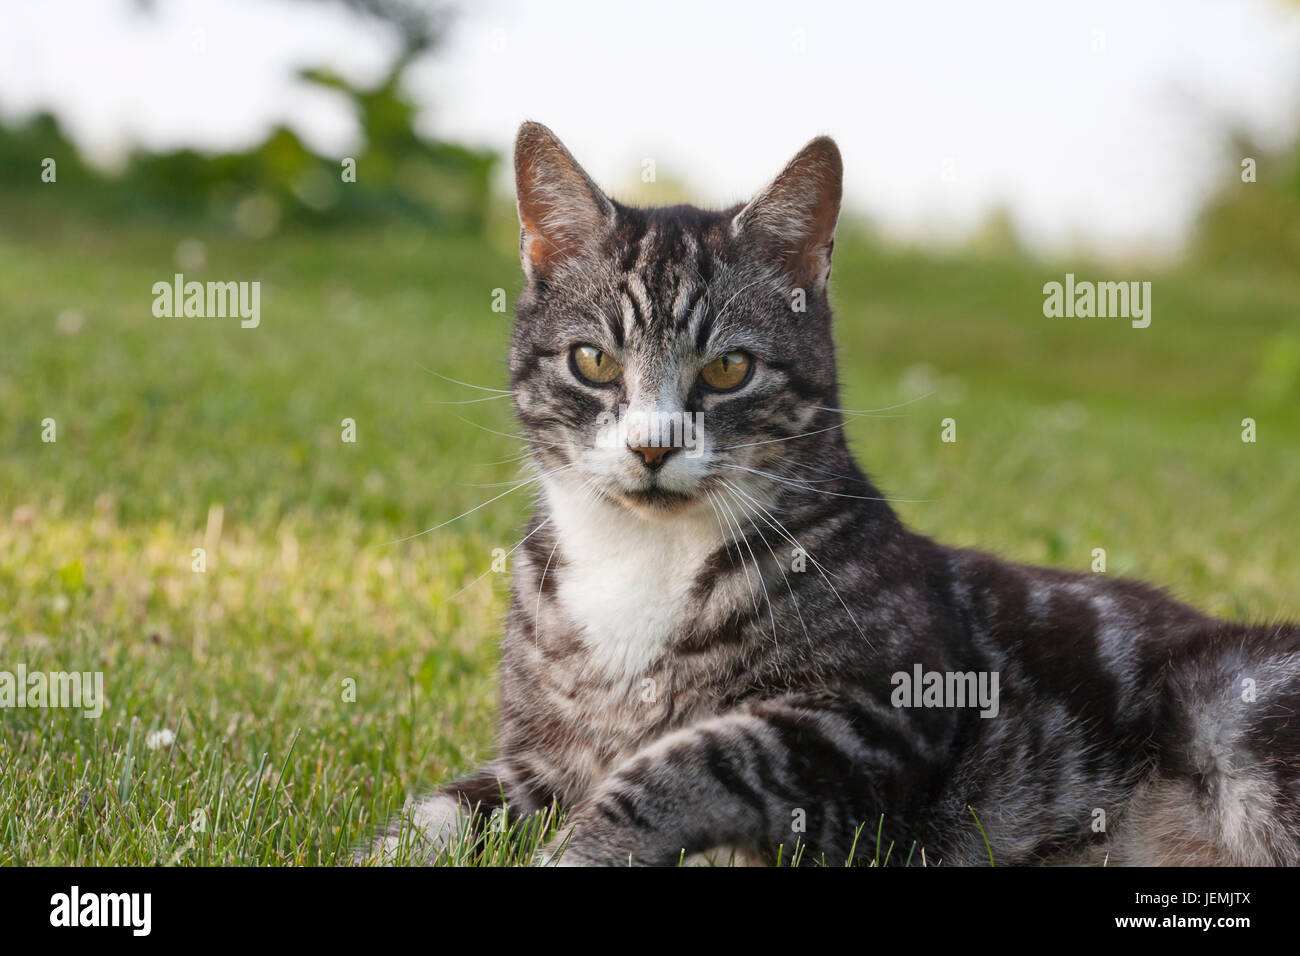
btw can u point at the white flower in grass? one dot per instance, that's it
(159, 738)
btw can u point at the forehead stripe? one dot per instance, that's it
(636, 289)
(631, 311)
(689, 296)
(704, 330)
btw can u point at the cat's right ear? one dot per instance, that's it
(793, 220)
(563, 215)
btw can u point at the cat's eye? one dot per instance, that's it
(594, 366)
(728, 372)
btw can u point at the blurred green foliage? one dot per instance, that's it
(1254, 219)
(398, 175)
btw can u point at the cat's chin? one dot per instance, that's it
(654, 501)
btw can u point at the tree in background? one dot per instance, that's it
(395, 174)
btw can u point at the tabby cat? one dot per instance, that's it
(710, 638)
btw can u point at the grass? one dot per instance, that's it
(176, 434)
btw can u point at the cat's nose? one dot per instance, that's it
(653, 456)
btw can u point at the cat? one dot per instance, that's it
(708, 637)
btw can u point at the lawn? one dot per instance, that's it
(318, 671)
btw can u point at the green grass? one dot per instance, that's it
(175, 434)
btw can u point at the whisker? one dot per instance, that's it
(485, 484)
(740, 534)
(726, 534)
(512, 490)
(803, 486)
(772, 441)
(513, 459)
(444, 524)
(779, 526)
(872, 411)
(456, 381)
(758, 570)
(537, 612)
(748, 509)
(823, 471)
(781, 529)
(828, 428)
(493, 431)
(742, 538)
(507, 554)
(474, 401)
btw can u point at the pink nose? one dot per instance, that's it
(652, 455)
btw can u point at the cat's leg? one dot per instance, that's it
(430, 824)
(772, 774)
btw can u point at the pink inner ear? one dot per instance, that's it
(560, 209)
(537, 247)
(556, 241)
(532, 170)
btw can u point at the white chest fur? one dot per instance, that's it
(627, 578)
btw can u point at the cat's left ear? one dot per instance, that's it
(563, 215)
(793, 219)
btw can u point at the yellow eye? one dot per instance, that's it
(727, 372)
(594, 366)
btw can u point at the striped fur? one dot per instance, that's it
(675, 683)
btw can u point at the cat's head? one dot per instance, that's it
(658, 353)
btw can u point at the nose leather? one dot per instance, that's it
(652, 455)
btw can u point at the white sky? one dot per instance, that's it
(1114, 146)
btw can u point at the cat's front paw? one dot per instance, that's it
(427, 828)
(579, 845)
(555, 852)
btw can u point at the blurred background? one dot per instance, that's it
(989, 149)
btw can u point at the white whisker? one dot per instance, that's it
(748, 509)
(742, 539)
(872, 411)
(493, 431)
(456, 381)
(512, 490)
(739, 534)
(803, 486)
(474, 401)
(781, 529)
(507, 554)
(758, 570)
(772, 441)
